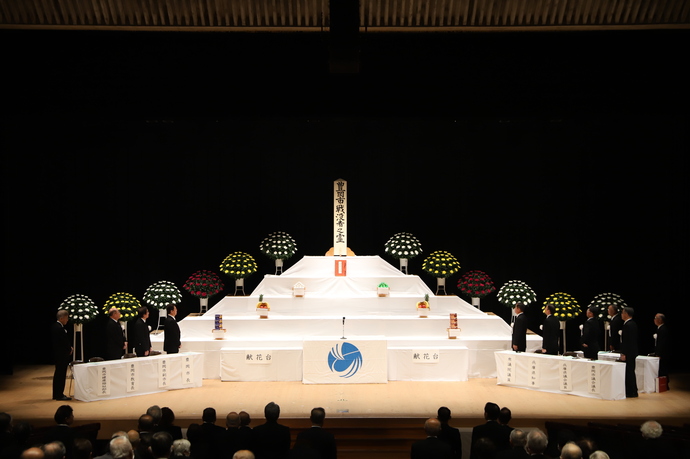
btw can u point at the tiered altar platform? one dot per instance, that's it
(336, 306)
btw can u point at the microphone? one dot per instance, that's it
(343, 337)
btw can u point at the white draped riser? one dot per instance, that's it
(319, 314)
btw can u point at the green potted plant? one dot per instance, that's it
(441, 265)
(475, 285)
(238, 265)
(402, 247)
(278, 246)
(203, 284)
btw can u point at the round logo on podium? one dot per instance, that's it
(345, 359)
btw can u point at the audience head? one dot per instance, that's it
(586, 446)
(443, 414)
(536, 441)
(651, 429)
(22, 432)
(518, 438)
(194, 432)
(317, 416)
(599, 455)
(167, 416)
(209, 415)
(491, 411)
(232, 420)
(5, 422)
(64, 415)
(243, 454)
(571, 451)
(484, 448)
(119, 433)
(156, 413)
(565, 436)
(161, 444)
(145, 423)
(54, 450)
(181, 448)
(121, 448)
(245, 419)
(272, 411)
(83, 449)
(505, 415)
(432, 427)
(133, 437)
(32, 453)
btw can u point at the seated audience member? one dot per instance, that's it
(167, 424)
(652, 444)
(145, 428)
(317, 437)
(518, 440)
(431, 446)
(156, 414)
(491, 429)
(243, 454)
(32, 453)
(54, 450)
(449, 434)
(484, 448)
(586, 445)
(504, 417)
(245, 432)
(82, 449)
(121, 448)
(271, 439)
(63, 431)
(181, 449)
(571, 451)
(12, 447)
(599, 455)
(161, 445)
(230, 439)
(536, 443)
(108, 454)
(211, 434)
(195, 440)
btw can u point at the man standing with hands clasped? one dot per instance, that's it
(171, 337)
(62, 354)
(142, 343)
(116, 345)
(519, 340)
(629, 351)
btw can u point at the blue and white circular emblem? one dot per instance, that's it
(345, 360)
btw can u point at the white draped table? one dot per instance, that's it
(646, 370)
(137, 376)
(562, 375)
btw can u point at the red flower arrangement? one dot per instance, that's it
(204, 284)
(476, 284)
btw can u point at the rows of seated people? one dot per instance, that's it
(158, 437)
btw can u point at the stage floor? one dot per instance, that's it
(25, 396)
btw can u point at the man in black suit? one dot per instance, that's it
(518, 440)
(316, 438)
(662, 344)
(590, 334)
(519, 339)
(615, 327)
(629, 351)
(63, 431)
(272, 440)
(115, 345)
(490, 430)
(171, 337)
(551, 330)
(431, 447)
(62, 354)
(246, 433)
(536, 444)
(449, 434)
(142, 340)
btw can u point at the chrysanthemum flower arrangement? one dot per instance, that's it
(603, 300)
(81, 308)
(403, 245)
(476, 284)
(125, 302)
(238, 265)
(278, 246)
(203, 284)
(567, 307)
(161, 294)
(441, 264)
(516, 291)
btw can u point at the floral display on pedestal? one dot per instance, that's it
(441, 265)
(203, 284)
(159, 295)
(81, 310)
(403, 247)
(126, 303)
(476, 284)
(278, 246)
(567, 309)
(602, 302)
(238, 265)
(516, 291)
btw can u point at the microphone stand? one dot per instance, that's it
(343, 329)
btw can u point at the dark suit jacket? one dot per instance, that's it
(491, 430)
(64, 434)
(61, 344)
(115, 340)
(629, 346)
(320, 440)
(451, 435)
(171, 337)
(246, 438)
(590, 337)
(550, 334)
(142, 340)
(431, 448)
(615, 326)
(272, 440)
(520, 332)
(663, 344)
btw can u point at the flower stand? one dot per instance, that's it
(279, 266)
(440, 286)
(403, 265)
(239, 286)
(203, 305)
(78, 330)
(475, 302)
